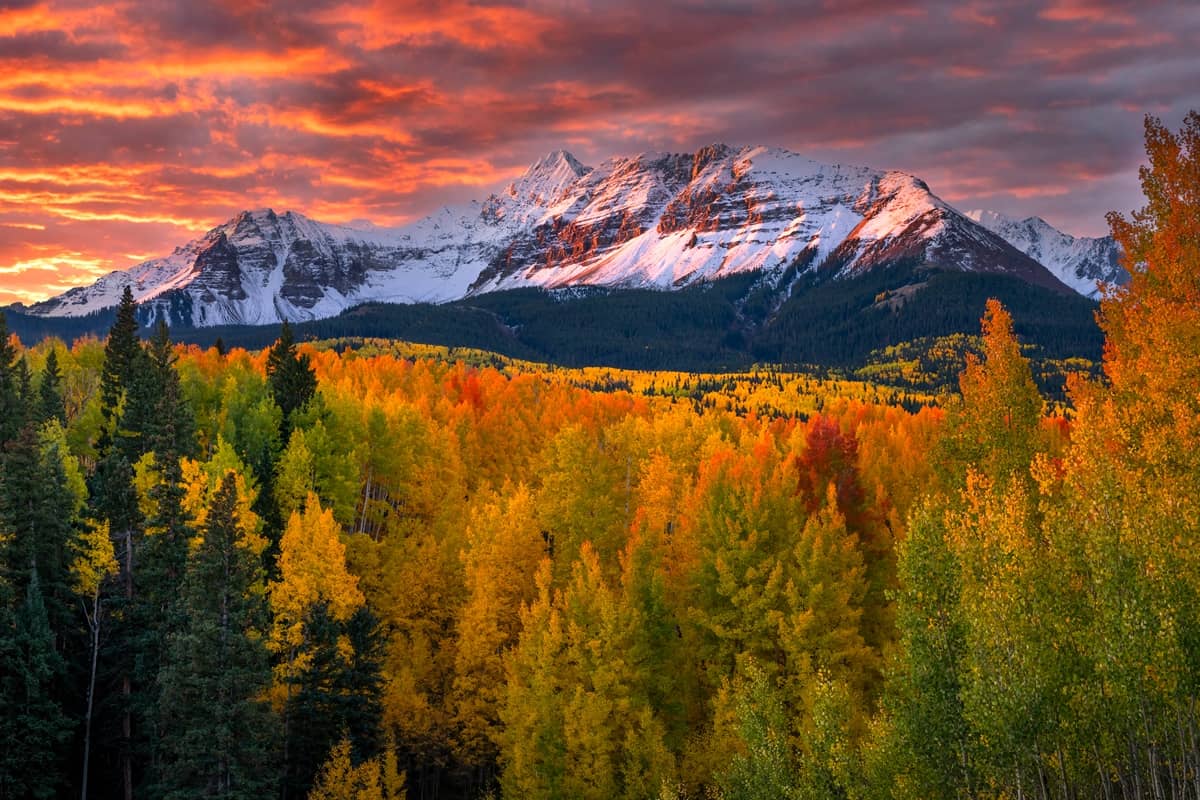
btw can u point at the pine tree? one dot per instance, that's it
(217, 728)
(10, 396)
(114, 504)
(37, 509)
(120, 352)
(334, 692)
(50, 398)
(33, 726)
(293, 380)
(156, 613)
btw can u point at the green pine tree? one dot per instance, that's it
(156, 614)
(37, 509)
(50, 396)
(156, 416)
(336, 694)
(9, 394)
(217, 729)
(120, 352)
(293, 380)
(33, 727)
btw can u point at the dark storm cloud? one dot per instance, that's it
(169, 117)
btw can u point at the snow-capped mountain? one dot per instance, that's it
(1080, 262)
(652, 220)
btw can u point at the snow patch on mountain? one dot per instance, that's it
(1080, 262)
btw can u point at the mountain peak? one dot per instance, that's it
(997, 219)
(554, 161)
(1078, 261)
(548, 177)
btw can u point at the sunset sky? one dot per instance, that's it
(129, 128)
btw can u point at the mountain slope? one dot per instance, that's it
(1078, 261)
(649, 221)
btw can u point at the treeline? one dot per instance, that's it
(718, 326)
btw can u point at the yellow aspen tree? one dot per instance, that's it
(504, 549)
(819, 621)
(373, 779)
(995, 427)
(312, 568)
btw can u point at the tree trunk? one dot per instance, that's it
(126, 682)
(94, 627)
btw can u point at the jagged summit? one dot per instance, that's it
(659, 220)
(547, 177)
(1081, 262)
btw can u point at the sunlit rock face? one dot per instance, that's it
(659, 220)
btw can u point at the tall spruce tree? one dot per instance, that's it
(36, 510)
(120, 352)
(114, 503)
(155, 416)
(33, 727)
(293, 380)
(50, 397)
(156, 613)
(336, 694)
(10, 398)
(216, 727)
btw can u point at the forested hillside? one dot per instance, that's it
(351, 572)
(732, 323)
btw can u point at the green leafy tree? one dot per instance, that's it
(578, 721)
(766, 766)
(995, 427)
(924, 694)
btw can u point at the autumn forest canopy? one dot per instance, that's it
(371, 570)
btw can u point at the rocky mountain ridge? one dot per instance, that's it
(655, 220)
(1081, 262)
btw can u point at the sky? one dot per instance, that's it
(127, 129)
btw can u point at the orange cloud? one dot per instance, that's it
(127, 128)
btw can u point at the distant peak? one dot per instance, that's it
(548, 177)
(555, 161)
(994, 220)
